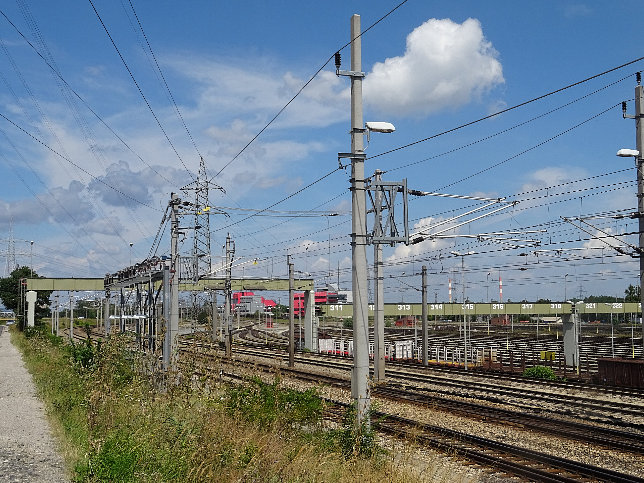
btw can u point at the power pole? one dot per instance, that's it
(173, 325)
(424, 313)
(639, 141)
(360, 376)
(230, 253)
(214, 315)
(165, 315)
(379, 291)
(291, 313)
(639, 165)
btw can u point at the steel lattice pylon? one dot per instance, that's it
(201, 258)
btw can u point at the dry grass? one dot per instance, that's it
(118, 426)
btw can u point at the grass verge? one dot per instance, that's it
(117, 425)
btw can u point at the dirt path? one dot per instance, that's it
(27, 449)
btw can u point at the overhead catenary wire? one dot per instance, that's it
(85, 103)
(531, 148)
(165, 83)
(505, 131)
(304, 86)
(503, 111)
(259, 215)
(95, 178)
(511, 128)
(147, 103)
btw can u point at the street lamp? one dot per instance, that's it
(639, 162)
(31, 257)
(360, 373)
(131, 244)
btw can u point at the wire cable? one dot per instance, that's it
(147, 103)
(532, 148)
(165, 83)
(95, 178)
(85, 103)
(503, 111)
(306, 84)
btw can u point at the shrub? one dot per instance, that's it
(540, 372)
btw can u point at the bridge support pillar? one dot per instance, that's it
(310, 322)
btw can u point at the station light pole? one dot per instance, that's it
(360, 391)
(638, 154)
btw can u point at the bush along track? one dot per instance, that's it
(121, 421)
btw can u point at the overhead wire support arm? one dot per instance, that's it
(460, 197)
(620, 250)
(424, 234)
(348, 73)
(635, 249)
(382, 195)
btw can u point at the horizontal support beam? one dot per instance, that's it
(237, 285)
(243, 284)
(65, 284)
(525, 309)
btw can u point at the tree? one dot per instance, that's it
(86, 308)
(632, 294)
(10, 293)
(279, 311)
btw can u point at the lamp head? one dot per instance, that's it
(385, 127)
(628, 153)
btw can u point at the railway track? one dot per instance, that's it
(501, 457)
(492, 374)
(616, 413)
(509, 377)
(597, 435)
(493, 456)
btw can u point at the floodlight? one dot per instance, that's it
(377, 126)
(628, 153)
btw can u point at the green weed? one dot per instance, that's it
(540, 372)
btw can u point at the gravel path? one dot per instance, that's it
(27, 448)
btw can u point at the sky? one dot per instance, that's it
(107, 107)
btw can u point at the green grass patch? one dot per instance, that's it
(540, 372)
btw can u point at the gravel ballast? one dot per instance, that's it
(27, 448)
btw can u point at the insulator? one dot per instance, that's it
(638, 77)
(624, 106)
(338, 60)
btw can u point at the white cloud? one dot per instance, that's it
(552, 176)
(445, 64)
(256, 94)
(602, 241)
(424, 225)
(577, 10)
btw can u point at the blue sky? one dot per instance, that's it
(82, 194)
